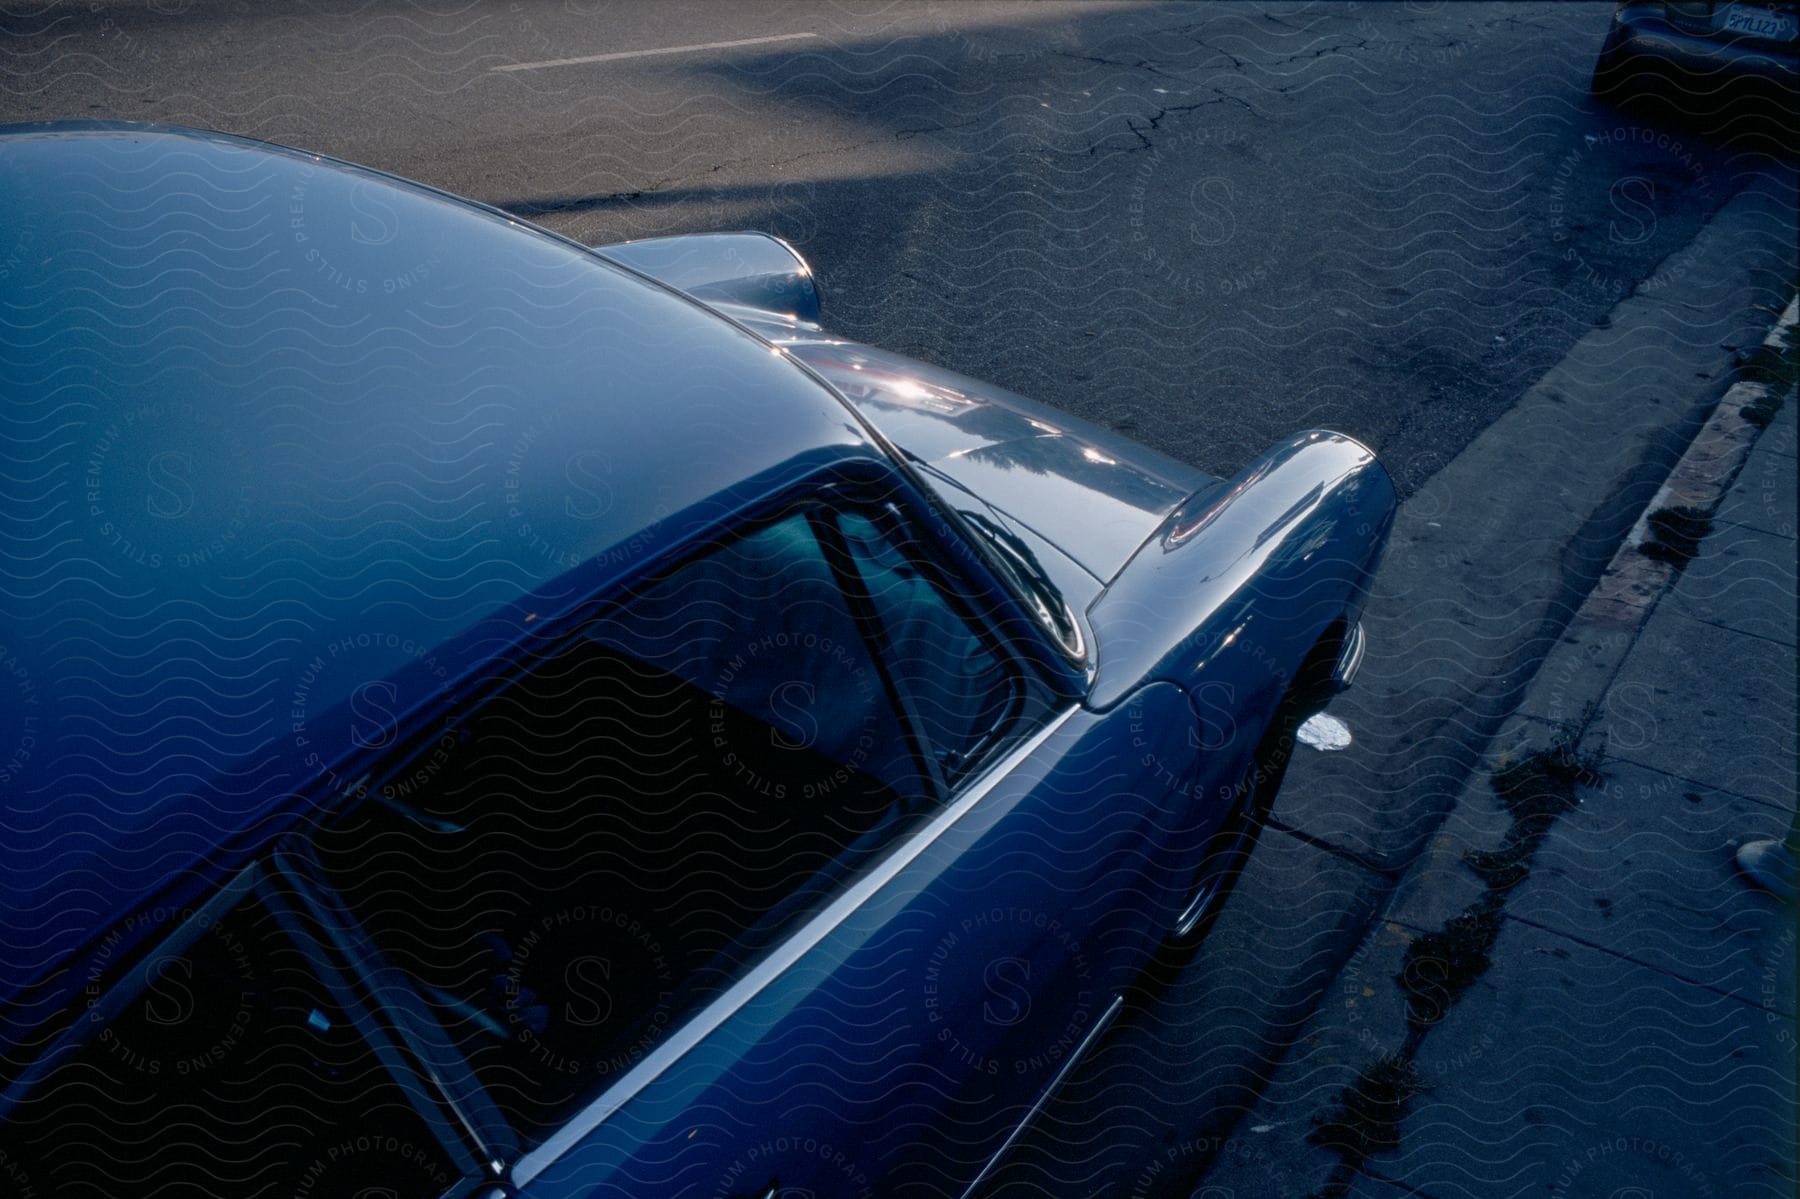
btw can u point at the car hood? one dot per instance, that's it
(1091, 494)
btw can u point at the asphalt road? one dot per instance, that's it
(1207, 226)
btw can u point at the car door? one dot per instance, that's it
(894, 1037)
(893, 1045)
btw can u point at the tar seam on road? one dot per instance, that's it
(614, 57)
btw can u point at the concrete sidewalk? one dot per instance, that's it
(1489, 562)
(1571, 992)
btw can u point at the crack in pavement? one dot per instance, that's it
(1664, 971)
(1155, 120)
(1142, 64)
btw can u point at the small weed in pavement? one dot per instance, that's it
(1534, 791)
(1367, 1115)
(1777, 366)
(1676, 534)
(1441, 965)
(1763, 410)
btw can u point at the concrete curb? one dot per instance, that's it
(1577, 672)
(1634, 581)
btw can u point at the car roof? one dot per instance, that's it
(288, 445)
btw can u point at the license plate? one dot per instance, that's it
(1762, 22)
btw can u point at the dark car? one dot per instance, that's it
(489, 716)
(1702, 56)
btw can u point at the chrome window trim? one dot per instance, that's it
(130, 982)
(802, 940)
(1350, 658)
(1055, 1084)
(938, 574)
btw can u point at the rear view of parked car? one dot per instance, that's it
(1703, 57)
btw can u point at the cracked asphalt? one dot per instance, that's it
(1205, 226)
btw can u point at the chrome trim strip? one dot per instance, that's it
(709, 1018)
(1350, 658)
(1196, 907)
(1080, 1051)
(134, 979)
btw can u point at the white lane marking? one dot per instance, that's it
(570, 62)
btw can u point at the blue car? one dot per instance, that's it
(489, 716)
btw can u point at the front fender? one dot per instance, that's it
(1254, 570)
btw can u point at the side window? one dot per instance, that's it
(615, 835)
(223, 1065)
(961, 692)
(764, 629)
